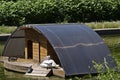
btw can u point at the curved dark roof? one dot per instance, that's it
(15, 44)
(76, 47)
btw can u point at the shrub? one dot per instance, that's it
(110, 74)
(17, 12)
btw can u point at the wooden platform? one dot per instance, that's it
(59, 72)
(39, 71)
(15, 66)
(22, 65)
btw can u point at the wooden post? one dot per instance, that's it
(36, 51)
(26, 53)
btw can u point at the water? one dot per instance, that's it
(113, 42)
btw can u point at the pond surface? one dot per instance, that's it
(113, 42)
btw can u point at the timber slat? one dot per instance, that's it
(38, 71)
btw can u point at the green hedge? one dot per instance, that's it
(18, 12)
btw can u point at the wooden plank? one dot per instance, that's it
(43, 47)
(17, 66)
(26, 53)
(39, 72)
(36, 51)
(28, 74)
(59, 72)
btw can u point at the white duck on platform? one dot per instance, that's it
(48, 63)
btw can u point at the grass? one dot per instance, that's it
(6, 29)
(113, 42)
(93, 25)
(101, 25)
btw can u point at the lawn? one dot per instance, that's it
(113, 42)
(6, 29)
(101, 25)
(93, 25)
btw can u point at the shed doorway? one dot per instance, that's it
(36, 50)
(29, 49)
(33, 50)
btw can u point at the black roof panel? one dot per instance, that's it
(76, 46)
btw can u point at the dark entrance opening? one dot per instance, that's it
(29, 49)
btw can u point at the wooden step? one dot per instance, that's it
(38, 71)
(59, 72)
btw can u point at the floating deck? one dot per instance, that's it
(39, 71)
(22, 65)
(15, 66)
(59, 72)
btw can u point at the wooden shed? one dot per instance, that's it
(73, 46)
(37, 47)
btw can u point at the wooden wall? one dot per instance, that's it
(41, 46)
(36, 53)
(31, 34)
